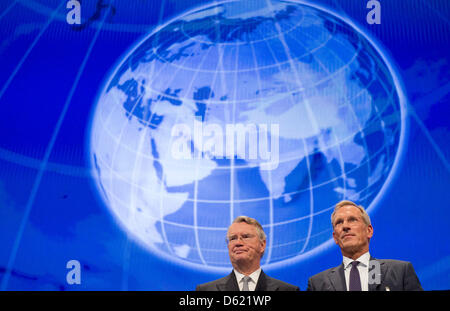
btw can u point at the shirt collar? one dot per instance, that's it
(253, 276)
(363, 259)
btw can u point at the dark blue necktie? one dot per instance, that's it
(355, 281)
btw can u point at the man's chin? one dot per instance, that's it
(350, 247)
(240, 258)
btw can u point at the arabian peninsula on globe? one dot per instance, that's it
(298, 77)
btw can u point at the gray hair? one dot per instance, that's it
(343, 203)
(253, 222)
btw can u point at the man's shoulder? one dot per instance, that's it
(327, 280)
(399, 274)
(324, 273)
(275, 284)
(393, 263)
(212, 285)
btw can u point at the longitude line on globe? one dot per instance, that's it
(165, 222)
(269, 246)
(118, 106)
(339, 146)
(233, 120)
(344, 13)
(161, 219)
(196, 160)
(360, 130)
(297, 78)
(408, 107)
(219, 69)
(315, 213)
(127, 248)
(148, 90)
(350, 107)
(122, 131)
(48, 151)
(322, 145)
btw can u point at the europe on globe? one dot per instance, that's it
(272, 109)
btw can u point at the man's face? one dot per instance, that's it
(350, 232)
(244, 245)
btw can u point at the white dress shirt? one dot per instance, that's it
(363, 268)
(251, 283)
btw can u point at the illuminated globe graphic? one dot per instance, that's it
(317, 103)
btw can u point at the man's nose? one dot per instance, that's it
(239, 242)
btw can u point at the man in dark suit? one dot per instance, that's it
(246, 245)
(352, 231)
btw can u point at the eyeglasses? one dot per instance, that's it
(244, 237)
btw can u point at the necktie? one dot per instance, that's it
(355, 281)
(245, 279)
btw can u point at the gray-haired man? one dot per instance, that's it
(246, 245)
(352, 231)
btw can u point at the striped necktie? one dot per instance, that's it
(246, 279)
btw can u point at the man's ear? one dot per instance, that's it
(335, 239)
(369, 231)
(263, 247)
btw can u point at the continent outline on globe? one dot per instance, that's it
(174, 209)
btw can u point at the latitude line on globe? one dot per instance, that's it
(267, 198)
(293, 220)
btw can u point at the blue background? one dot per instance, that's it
(50, 210)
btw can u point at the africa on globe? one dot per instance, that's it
(275, 110)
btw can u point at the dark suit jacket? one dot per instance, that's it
(396, 275)
(229, 283)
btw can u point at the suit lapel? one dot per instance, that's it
(229, 283)
(337, 278)
(383, 269)
(262, 282)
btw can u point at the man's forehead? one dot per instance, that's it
(240, 227)
(343, 212)
(348, 209)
